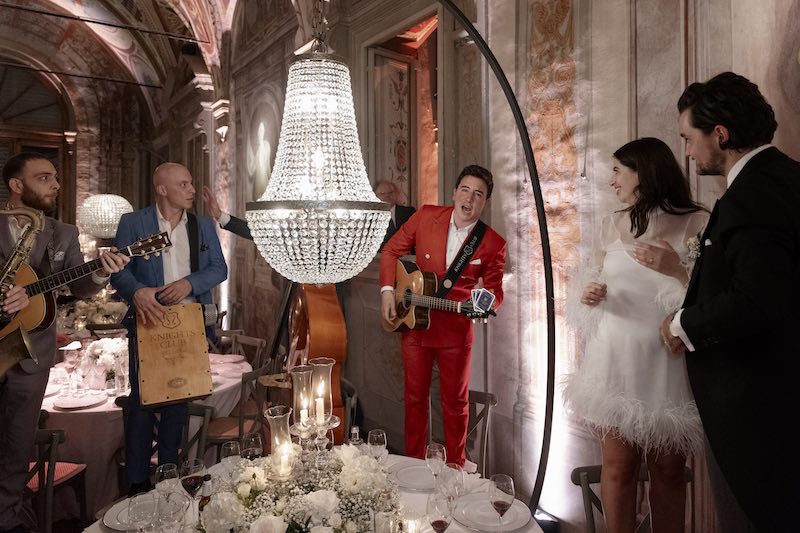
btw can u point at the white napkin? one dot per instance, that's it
(475, 483)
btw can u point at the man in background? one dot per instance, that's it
(185, 273)
(32, 182)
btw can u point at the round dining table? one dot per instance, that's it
(472, 512)
(94, 431)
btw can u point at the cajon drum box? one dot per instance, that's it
(173, 357)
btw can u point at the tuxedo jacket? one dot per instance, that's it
(742, 314)
(427, 231)
(401, 214)
(56, 249)
(142, 272)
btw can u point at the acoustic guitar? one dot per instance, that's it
(414, 292)
(41, 310)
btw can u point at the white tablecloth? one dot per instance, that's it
(95, 434)
(414, 500)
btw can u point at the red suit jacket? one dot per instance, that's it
(427, 230)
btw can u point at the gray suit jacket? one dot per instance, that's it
(66, 253)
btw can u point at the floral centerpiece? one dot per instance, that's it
(108, 354)
(339, 497)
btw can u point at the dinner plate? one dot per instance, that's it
(411, 475)
(116, 517)
(51, 390)
(80, 402)
(225, 358)
(476, 512)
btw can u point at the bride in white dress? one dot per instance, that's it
(630, 388)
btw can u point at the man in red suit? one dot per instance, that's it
(438, 233)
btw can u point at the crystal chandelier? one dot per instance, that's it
(318, 221)
(99, 214)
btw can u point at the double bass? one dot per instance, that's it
(317, 329)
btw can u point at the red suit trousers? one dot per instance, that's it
(454, 372)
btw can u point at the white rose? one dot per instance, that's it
(268, 524)
(325, 502)
(335, 520)
(243, 490)
(347, 453)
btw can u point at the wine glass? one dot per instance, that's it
(192, 472)
(376, 440)
(440, 512)
(167, 479)
(435, 458)
(70, 364)
(501, 495)
(230, 449)
(453, 481)
(252, 448)
(141, 511)
(171, 512)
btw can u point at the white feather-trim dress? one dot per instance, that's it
(628, 383)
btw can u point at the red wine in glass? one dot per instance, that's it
(440, 525)
(501, 507)
(192, 484)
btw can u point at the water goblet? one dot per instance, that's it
(501, 495)
(171, 512)
(192, 472)
(167, 479)
(71, 360)
(252, 447)
(376, 440)
(440, 512)
(435, 458)
(230, 451)
(141, 511)
(453, 481)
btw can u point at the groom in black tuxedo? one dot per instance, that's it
(740, 321)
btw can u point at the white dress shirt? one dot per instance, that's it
(176, 259)
(675, 327)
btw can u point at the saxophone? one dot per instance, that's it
(14, 342)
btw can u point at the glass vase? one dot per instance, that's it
(281, 450)
(321, 389)
(301, 392)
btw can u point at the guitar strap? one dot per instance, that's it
(194, 244)
(457, 266)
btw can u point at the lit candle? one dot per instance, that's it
(319, 404)
(285, 469)
(304, 412)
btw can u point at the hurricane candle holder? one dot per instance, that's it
(321, 389)
(281, 451)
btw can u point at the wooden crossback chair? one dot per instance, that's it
(48, 473)
(252, 348)
(204, 412)
(585, 476)
(480, 410)
(254, 390)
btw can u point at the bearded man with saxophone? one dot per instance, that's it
(33, 186)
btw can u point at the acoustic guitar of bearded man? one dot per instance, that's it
(41, 310)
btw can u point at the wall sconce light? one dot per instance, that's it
(222, 131)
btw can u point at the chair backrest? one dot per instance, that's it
(585, 476)
(44, 468)
(350, 396)
(480, 410)
(197, 439)
(257, 384)
(252, 348)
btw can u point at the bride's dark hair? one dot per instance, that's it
(661, 182)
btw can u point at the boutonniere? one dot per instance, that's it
(693, 247)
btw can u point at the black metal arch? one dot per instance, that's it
(546, 257)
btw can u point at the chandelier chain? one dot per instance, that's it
(319, 26)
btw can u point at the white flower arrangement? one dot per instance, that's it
(108, 354)
(338, 498)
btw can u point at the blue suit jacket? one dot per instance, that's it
(150, 273)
